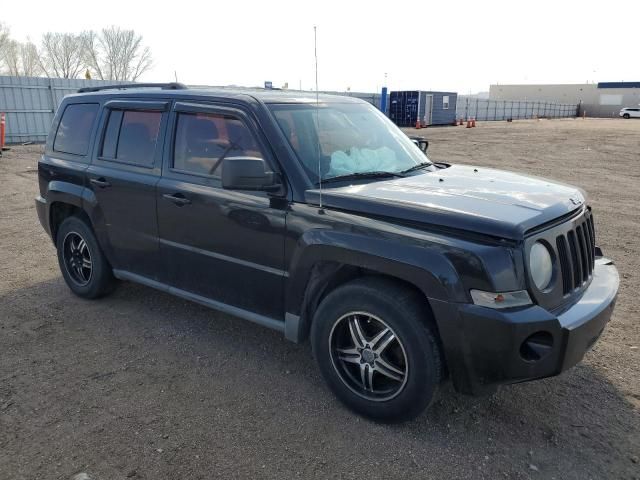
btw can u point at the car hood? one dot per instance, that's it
(483, 200)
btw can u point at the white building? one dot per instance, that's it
(604, 99)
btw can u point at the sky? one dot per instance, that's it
(459, 45)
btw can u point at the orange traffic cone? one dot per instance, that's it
(418, 126)
(2, 131)
(468, 123)
(473, 122)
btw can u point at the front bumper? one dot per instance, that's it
(486, 348)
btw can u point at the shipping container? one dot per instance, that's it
(406, 108)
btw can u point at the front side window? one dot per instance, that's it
(445, 102)
(74, 132)
(202, 141)
(339, 139)
(131, 136)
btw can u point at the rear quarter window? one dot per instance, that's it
(74, 131)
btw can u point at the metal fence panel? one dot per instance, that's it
(30, 104)
(491, 110)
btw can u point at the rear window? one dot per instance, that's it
(74, 131)
(131, 136)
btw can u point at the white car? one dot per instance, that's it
(630, 112)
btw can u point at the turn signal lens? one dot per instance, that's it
(501, 300)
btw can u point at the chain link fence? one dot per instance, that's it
(487, 110)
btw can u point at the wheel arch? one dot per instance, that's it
(61, 210)
(320, 269)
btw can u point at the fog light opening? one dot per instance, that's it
(536, 346)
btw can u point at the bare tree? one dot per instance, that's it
(116, 54)
(62, 55)
(30, 59)
(91, 48)
(11, 58)
(21, 59)
(4, 35)
(4, 43)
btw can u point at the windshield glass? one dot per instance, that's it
(338, 139)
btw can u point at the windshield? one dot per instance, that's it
(342, 139)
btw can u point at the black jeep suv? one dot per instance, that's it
(319, 218)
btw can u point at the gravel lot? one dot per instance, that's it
(145, 385)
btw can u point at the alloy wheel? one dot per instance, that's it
(77, 258)
(368, 356)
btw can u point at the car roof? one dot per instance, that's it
(239, 94)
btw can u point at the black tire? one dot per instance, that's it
(87, 282)
(388, 306)
(626, 115)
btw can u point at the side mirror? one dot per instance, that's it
(247, 173)
(421, 142)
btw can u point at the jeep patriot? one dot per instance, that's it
(319, 218)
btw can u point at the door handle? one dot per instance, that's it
(177, 198)
(100, 182)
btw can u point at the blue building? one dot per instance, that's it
(430, 108)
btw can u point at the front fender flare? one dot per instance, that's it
(427, 268)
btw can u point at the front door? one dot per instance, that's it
(123, 176)
(226, 246)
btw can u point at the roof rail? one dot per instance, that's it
(124, 86)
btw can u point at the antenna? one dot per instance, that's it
(315, 53)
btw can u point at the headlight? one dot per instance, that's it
(540, 265)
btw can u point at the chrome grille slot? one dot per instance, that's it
(576, 263)
(563, 257)
(576, 254)
(589, 242)
(582, 246)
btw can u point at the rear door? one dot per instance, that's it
(223, 245)
(123, 177)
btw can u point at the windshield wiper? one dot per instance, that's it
(358, 175)
(419, 166)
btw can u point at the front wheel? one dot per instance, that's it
(376, 347)
(626, 115)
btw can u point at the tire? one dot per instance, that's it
(626, 115)
(77, 244)
(363, 378)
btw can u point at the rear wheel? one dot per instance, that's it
(82, 263)
(376, 348)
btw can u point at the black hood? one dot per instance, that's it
(483, 200)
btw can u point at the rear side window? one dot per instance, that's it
(131, 136)
(74, 132)
(203, 140)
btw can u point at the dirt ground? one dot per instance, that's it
(145, 385)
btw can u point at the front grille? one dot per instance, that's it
(577, 253)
